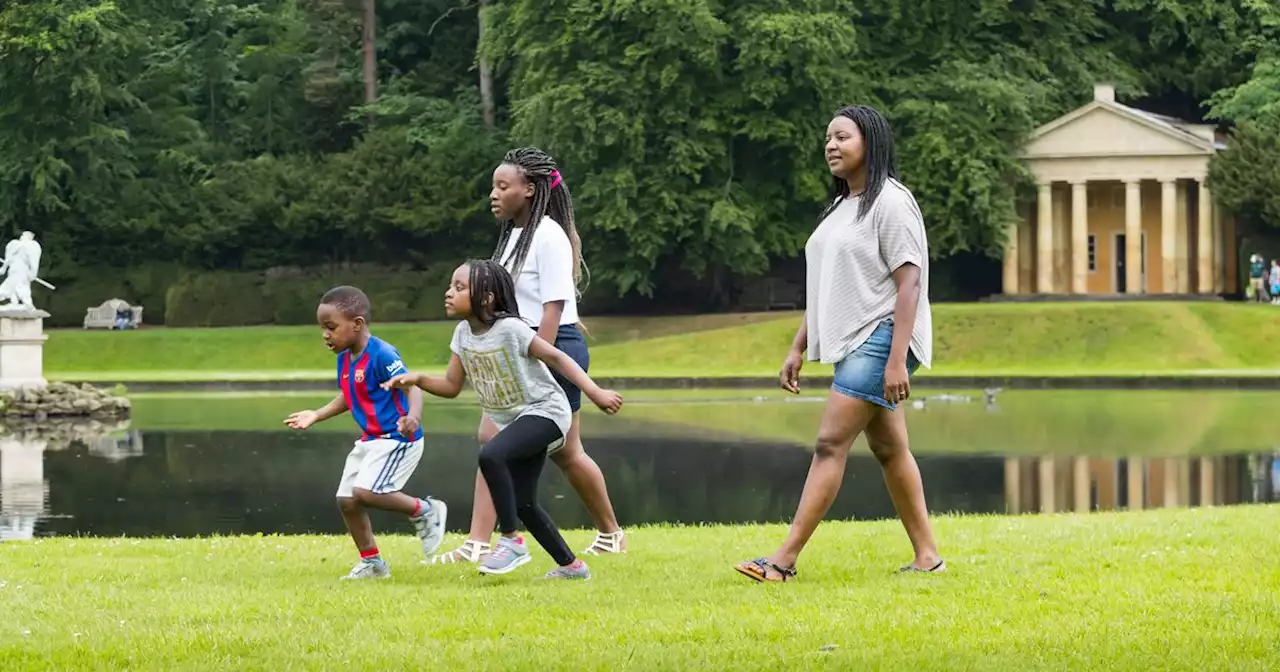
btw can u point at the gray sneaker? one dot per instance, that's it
(430, 525)
(577, 570)
(369, 569)
(508, 554)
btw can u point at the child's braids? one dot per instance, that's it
(550, 197)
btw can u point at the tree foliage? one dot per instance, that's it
(233, 134)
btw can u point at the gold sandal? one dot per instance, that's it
(758, 570)
(940, 567)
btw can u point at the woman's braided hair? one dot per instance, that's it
(550, 198)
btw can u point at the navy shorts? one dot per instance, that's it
(861, 373)
(569, 340)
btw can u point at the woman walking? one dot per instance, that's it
(867, 312)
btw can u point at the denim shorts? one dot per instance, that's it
(569, 340)
(861, 373)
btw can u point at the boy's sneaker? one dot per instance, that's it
(508, 554)
(578, 570)
(430, 525)
(369, 569)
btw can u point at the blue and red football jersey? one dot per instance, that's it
(360, 378)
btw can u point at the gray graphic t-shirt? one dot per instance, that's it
(509, 382)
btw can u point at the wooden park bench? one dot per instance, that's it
(766, 294)
(104, 316)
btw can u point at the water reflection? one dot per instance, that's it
(24, 492)
(665, 463)
(1081, 484)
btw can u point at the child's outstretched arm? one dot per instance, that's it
(607, 400)
(448, 387)
(409, 424)
(304, 419)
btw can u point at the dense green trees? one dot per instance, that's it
(235, 135)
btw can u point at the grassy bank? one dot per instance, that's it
(1169, 589)
(1115, 339)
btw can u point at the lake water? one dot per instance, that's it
(186, 466)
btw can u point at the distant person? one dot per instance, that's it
(124, 319)
(867, 312)
(1275, 282)
(507, 362)
(1257, 275)
(539, 247)
(390, 447)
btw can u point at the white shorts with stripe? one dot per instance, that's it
(380, 466)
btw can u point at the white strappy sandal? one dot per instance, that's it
(607, 543)
(470, 551)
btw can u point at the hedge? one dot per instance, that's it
(290, 295)
(86, 287)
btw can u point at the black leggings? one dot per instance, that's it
(511, 463)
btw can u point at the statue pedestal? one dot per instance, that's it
(22, 340)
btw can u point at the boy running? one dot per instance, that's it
(388, 451)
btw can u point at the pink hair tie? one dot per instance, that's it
(556, 182)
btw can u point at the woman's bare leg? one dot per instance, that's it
(887, 436)
(843, 419)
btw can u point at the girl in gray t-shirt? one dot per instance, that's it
(507, 363)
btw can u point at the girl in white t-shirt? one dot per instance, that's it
(540, 247)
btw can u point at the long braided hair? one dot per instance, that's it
(878, 158)
(550, 197)
(489, 278)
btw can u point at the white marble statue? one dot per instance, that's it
(21, 267)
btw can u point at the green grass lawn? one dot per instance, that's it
(1127, 339)
(1168, 589)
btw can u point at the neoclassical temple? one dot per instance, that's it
(1122, 207)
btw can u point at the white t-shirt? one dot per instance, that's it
(547, 274)
(850, 262)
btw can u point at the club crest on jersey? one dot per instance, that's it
(359, 375)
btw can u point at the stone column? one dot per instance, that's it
(1183, 240)
(1219, 251)
(1133, 237)
(1204, 241)
(1079, 238)
(1169, 236)
(1026, 252)
(1061, 242)
(1011, 261)
(1044, 238)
